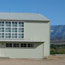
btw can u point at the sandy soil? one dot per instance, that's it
(51, 60)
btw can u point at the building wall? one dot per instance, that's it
(22, 52)
(36, 31)
(39, 31)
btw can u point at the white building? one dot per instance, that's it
(24, 35)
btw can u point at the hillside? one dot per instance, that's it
(57, 33)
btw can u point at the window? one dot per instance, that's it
(27, 45)
(1, 23)
(8, 44)
(8, 29)
(14, 24)
(21, 35)
(14, 29)
(30, 45)
(15, 45)
(8, 24)
(23, 45)
(19, 45)
(1, 29)
(21, 24)
(1, 35)
(21, 29)
(8, 35)
(14, 35)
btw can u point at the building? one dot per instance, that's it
(24, 35)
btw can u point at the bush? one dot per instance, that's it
(56, 49)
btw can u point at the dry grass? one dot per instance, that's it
(51, 60)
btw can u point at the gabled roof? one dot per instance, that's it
(22, 16)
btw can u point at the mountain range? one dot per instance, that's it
(57, 33)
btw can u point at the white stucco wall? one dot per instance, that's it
(38, 31)
(22, 52)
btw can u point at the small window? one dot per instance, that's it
(14, 29)
(1, 29)
(8, 35)
(8, 29)
(1, 35)
(8, 24)
(14, 24)
(2, 23)
(14, 35)
(15, 45)
(21, 29)
(30, 45)
(21, 24)
(21, 36)
(23, 45)
(8, 44)
(27, 45)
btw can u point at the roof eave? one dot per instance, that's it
(24, 20)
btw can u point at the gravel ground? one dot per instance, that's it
(51, 60)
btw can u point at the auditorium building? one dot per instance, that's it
(24, 35)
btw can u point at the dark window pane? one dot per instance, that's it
(30, 45)
(15, 45)
(8, 45)
(22, 45)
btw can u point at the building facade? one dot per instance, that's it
(24, 35)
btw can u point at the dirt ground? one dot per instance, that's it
(51, 60)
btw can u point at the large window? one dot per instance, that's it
(12, 29)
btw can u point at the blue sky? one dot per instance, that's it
(52, 9)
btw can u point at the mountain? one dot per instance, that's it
(57, 33)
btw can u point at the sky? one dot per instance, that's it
(52, 9)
